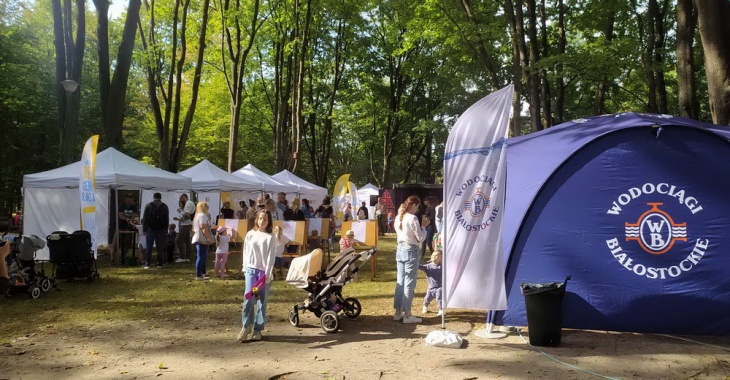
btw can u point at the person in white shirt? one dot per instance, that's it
(409, 234)
(202, 238)
(259, 253)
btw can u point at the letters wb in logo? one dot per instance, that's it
(477, 204)
(656, 231)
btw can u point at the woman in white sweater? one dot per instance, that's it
(259, 253)
(409, 234)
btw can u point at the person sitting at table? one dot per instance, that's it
(226, 211)
(314, 241)
(348, 240)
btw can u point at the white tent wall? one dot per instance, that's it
(363, 195)
(48, 210)
(170, 198)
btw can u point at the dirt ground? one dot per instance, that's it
(370, 347)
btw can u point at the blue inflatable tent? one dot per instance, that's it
(636, 208)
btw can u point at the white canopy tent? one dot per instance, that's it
(267, 183)
(209, 181)
(363, 195)
(304, 189)
(51, 199)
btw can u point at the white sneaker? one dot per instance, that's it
(180, 260)
(398, 316)
(146, 267)
(424, 310)
(256, 335)
(199, 278)
(440, 313)
(412, 319)
(243, 334)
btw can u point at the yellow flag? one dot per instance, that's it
(87, 188)
(339, 194)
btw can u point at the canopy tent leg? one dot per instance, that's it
(487, 332)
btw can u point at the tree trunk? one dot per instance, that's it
(559, 85)
(547, 121)
(659, 37)
(534, 82)
(113, 107)
(515, 126)
(603, 83)
(686, 84)
(648, 57)
(715, 31)
(297, 117)
(69, 65)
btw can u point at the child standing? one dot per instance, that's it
(171, 237)
(281, 243)
(433, 273)
(221, 252)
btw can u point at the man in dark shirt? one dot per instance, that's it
(430, 203)
(155, 220)
(126, 221)
(362, 212)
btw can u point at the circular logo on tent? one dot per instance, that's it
(656, 232)
(474, 213)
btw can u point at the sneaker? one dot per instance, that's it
(224, 275)
(180, 260)
(412, 319)
(159, 265)
(424, 310)
(256, 335)
(146, 267)
(200, 278)
(243, 334)
(205, 276)
(397, 316)
(440, 313)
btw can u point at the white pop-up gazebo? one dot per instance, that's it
(51, 198)
(304, 189)
(267, 183)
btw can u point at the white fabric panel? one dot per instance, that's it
(363, 195)
(48, 210)
(170, 198)
(213, 198)
(267, 182)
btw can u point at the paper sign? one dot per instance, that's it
(360, 231)
(315, 224)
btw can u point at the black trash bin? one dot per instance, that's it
(544, 305)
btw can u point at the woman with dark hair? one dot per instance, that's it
(259, 254)
(409, 234)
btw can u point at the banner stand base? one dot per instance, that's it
(487, 333)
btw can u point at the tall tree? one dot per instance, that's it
(686, 84)
(69, 31)
(165, 76)
(240, 24)
(713, 19)
(113, 90)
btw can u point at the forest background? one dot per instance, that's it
(326, 87)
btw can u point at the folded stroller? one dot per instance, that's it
(324, 287)
(23, 274)
(72, 256)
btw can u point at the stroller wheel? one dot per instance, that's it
(330, 321)
(45, 285)
(352, 307)
(294, 318)
(35, 291)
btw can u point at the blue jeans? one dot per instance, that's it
(159, 238)
(406, 258)
(257, 320)
(202, 257)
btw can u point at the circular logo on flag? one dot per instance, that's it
(476, 211)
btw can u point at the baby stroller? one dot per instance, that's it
(23, 274)
(325, 298)
(72, 256)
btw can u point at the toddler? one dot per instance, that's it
(221, 252)
(171, 237)
(281, 243)
(433, 273)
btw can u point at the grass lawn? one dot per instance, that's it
(170, 295)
